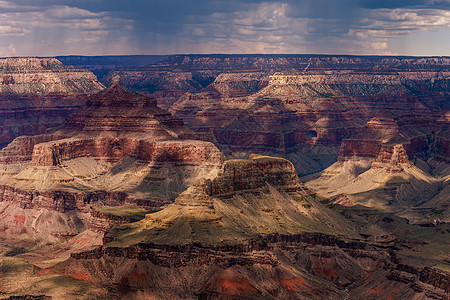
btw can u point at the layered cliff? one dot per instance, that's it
(121, 143)
(305, 116)
(182, 73)
(37, 94)
(120, 151)
(247, 197)
(300, 107)
(252, 231)
(119, 155)
(268, 267)
(43, 76)
(393, 165)
(187, 224)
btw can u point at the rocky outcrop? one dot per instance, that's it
(390, 164)
(62, 201)
(121, 148)
(119, 151)
(260, 195)
(21, 149)
(229, 85)
(327, 264)
(113, 149)
(242, 175)
(389, 141)
(104, 217)
(299, 114)
(37, 94)
(44, 76)
(440, 146)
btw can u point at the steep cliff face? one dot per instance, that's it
(297, 106)
(241, 175)
(37, 94)
(268, 267)
(248, 197)
(392, 164)
(252, 231)
(183, 73)
(305, 116)
(112, 162)
(241, 84)
(43, 76)
(120, 151)
(188, 224)
(121, 143)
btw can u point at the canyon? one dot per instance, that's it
(225, 176)
(36, 95)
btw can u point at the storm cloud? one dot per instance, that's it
(100, 27)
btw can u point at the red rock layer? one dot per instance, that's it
(298, 106)
(253, 174)
(64, 201)
(37, 94)
(394, 142)
(117, 124)
(313, 264)
(44, 76)
(304, 110)
(21, 149)
(113, 149)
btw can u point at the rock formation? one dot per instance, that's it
(120, 150)
(128, 143)
(248, 197)
(37, 94)
(252, 231)
(182, 73)
(304, 116)
(126, 201)
(300, 107)
(393, 165)
(44, 76)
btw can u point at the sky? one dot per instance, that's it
(116, 27)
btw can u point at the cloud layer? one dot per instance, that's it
(98, 27)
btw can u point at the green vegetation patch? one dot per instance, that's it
(128, 211)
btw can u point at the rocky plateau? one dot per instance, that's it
(181, 179)
(37, 94)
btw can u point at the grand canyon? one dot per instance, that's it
(221, 176)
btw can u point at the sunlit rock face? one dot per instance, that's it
(120, 142)
(110, 163)
(392, 164)
(382, 115)
(37, 94)
(252, 231)
(126, 201)
(44, 76)
(300, 107)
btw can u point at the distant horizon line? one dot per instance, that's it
(225, 54)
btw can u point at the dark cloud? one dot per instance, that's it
(392, 4)
(201, 26)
